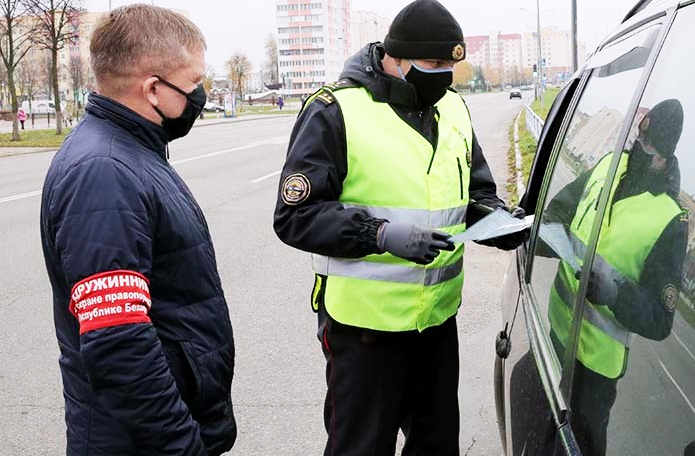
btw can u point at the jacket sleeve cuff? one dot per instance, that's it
(367, 238)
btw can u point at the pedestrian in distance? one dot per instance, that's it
(382, 169)
(21, 117)
(143, 327)
(281, 103)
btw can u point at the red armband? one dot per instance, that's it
(110, 298)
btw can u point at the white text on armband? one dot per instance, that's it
(109, 299)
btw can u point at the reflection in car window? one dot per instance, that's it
(569, 204)
(636, 353)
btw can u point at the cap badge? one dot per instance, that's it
(459, 52)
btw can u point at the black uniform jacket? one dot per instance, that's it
(317, 149)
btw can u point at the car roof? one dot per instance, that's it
(652, 6)
(643, 10)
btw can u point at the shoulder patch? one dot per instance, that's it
(669, 297)
(296, 188)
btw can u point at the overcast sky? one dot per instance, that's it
(232, 26)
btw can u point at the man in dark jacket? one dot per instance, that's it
(381, 170)
(147, 351)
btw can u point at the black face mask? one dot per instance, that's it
(430, 85)
(181, 125)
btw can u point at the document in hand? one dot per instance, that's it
(497, 223)
(555, 236)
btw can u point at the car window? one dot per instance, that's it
(634, 378)
(591, 135)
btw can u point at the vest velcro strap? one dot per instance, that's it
(369, 270)
(422, 217)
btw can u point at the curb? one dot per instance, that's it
(520, 187)
(11, 151)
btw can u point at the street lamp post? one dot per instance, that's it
(540, 58)
(538, 84)
(575, 58)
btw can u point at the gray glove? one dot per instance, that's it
(512, 240)
(411, 242)
(602, 288)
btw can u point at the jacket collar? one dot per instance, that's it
(366, 68)
(146, 132)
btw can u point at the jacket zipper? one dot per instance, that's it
(589, 207)
(458, 162)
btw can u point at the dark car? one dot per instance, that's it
(515, 93)
(596, 353)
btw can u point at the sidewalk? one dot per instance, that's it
(42, 124)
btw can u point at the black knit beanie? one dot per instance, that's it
(425, 30)
(662, 126)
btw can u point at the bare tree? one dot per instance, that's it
(58, 22)
(76, 74)
(238, 71)
(271, 63)
(15, 42)
(207, 79)
(28, 74)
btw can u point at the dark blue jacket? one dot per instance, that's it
(111, 201)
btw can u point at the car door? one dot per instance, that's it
(587, 137)
(633, 382)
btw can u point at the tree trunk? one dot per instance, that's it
(13, 98)
(56, 92)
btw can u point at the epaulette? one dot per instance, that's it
(341, 84)
(684, 215)
(325, 93)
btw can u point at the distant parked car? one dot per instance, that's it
(43, 107)
(213, 107)
(515, 93)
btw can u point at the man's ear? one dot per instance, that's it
(149, 90)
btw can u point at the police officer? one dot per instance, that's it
(381, 169)
(636, 272)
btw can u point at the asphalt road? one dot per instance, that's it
(233, 168)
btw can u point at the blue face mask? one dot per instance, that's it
(430, 84)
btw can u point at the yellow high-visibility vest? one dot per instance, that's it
(396, 174)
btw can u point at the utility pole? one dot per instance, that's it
(575, 58)
(540, 58)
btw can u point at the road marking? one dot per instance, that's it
(275, 140)
(684, 346)
(20, 196)
(690, 404)
(267, 176)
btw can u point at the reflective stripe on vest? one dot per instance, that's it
(630, 228)
(369, 270)
(434, 219)
(394, 173)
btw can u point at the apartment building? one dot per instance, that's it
(511, 57)
(366, 27)
(313, 38)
